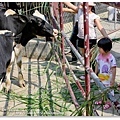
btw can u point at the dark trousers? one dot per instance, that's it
(73, 39)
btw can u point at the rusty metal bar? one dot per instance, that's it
(75, 78)
(64, 75)
(63, 60)
(61, 28)
(77, 82)
(86, 55)
(67, 83)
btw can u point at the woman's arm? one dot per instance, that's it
(68, 10)
(100, 28)
(71, 6)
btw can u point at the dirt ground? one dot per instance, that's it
(34, 80)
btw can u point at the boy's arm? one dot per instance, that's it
(96, 68)
(112, 82)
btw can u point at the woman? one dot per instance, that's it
(94, 20)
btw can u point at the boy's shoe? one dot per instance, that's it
(98, 102)
(117, 105)
(107, 105)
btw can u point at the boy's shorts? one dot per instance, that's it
(92, 42)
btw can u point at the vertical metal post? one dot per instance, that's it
(86, 55)
(62, 41)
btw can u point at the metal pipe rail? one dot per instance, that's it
(93, 75)
(75, 78)
(67, 82)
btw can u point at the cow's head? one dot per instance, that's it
(41, 26)
(37, 25)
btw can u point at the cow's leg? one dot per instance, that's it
(8, 81)
(8, 72)
(2, 84)
(18, 56)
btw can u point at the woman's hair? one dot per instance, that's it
(105, 44)
(93, 9)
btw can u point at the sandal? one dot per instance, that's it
(98, 102)
(107, 106)
(117, 104)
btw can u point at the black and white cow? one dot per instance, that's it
(6, 48)
(23, 29)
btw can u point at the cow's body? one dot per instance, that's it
(6, 48)
(13, 22)
(28, 29)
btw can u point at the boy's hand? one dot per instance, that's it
(112, 83)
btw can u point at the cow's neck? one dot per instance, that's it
(27, 34)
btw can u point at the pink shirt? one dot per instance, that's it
(104, 65)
